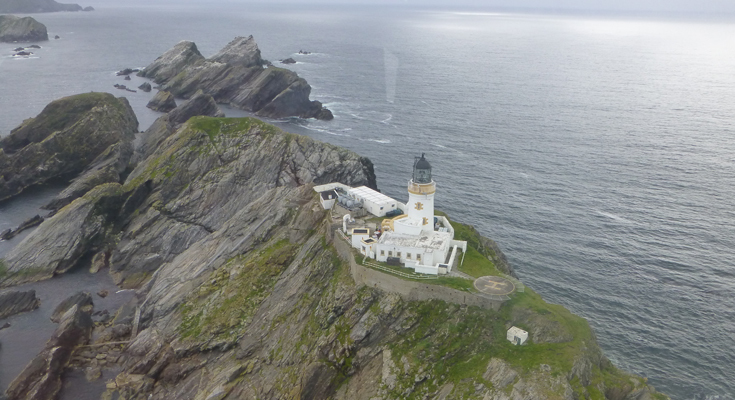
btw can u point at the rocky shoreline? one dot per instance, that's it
(239, 292)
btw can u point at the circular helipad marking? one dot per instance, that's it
(494, 285)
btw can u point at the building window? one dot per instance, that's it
(398, 254)
(381, 208)
(363, 249)
(408, 255)
(418, 257)
(390, 253)
(382, 252)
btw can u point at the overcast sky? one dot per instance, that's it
(699, 6)
(717, 7)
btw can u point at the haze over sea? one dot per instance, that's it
(598, 151)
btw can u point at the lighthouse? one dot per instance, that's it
(421, 190)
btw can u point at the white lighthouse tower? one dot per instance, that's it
(420, 205)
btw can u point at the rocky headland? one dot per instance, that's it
(242, 290)
(38, 6)
(236, 76)
(26, 29)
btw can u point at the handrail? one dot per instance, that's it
(394, 272)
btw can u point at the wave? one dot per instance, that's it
(614, 217)
(385, 121)
(439, 146)
(327, 131)
(381, 141)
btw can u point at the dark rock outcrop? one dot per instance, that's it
(288, 61)
(127, 71)
(163, 101)
(41, 378)
(16, 302)
(35, 6)
(88, 8)
(81, 300)
(64, 139)
(27, 224)
(235, 76)
(27, 29)
(146, 87)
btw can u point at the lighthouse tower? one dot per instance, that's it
(421, 189)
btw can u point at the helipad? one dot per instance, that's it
(494, 285)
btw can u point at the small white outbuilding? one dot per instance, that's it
(517, 335)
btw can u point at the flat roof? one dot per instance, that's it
(433, 240)
(330, 186)
(371, 195)
(325, 194)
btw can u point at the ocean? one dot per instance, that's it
(597, 150)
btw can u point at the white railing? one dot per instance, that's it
(377, 266)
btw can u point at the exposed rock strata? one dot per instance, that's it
(27, 29)
(15, 302)
(41, 378)
(64, 139)
(235, 76)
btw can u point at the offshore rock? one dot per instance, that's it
(64, 139)
(163, 101)
(41, 378)
(146, 87)
(16, 302)
(15, 29)
(235, 76)
(199, 105)
(36, 6)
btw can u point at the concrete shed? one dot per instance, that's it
(517, 335)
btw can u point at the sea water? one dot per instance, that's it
(598, 151)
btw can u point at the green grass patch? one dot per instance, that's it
(223, 307)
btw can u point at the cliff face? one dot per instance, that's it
(27, 29)
(235, 76)
(35, 6)
(242, 295)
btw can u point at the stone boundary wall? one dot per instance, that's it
(408, 290)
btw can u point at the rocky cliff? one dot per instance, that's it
(235, 76)
(68, 136)
(27, 29)
(36, 6)
(240, 293)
